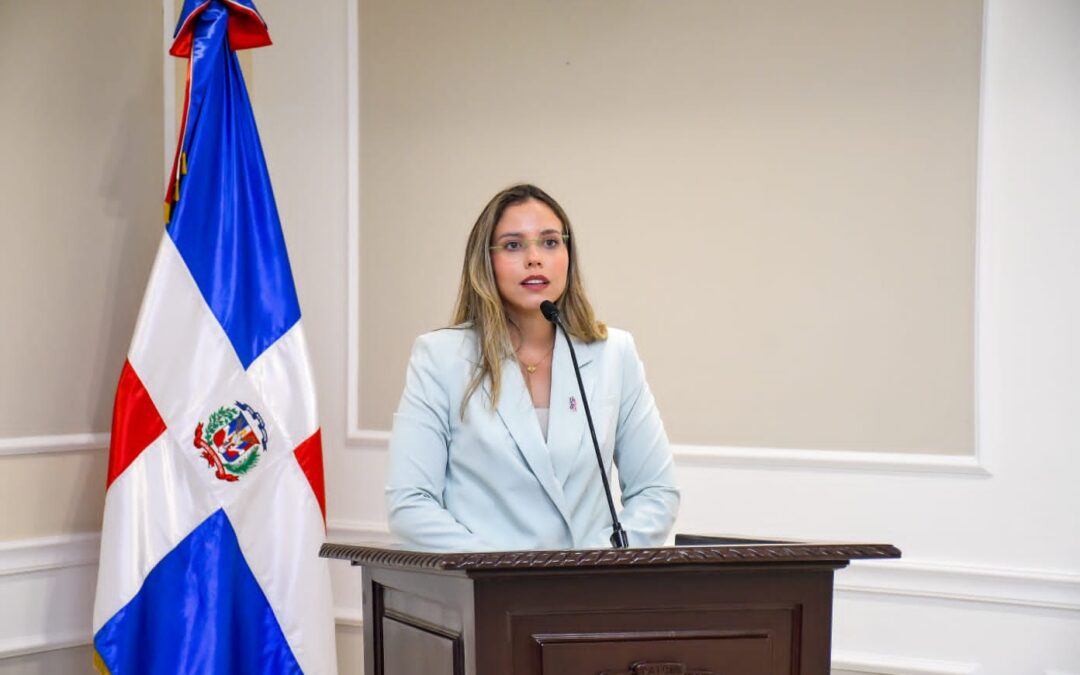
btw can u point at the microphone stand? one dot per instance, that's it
(619, 538)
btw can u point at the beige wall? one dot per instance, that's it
(777, 198)
(80, 195)
(80, 216)
(51, 494)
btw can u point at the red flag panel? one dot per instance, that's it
(309, 455)
(136, 423)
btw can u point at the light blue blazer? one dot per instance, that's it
(491, 482)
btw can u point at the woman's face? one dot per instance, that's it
(532, 266)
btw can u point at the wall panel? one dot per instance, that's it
(778, 199)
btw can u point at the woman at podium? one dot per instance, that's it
(490, 447)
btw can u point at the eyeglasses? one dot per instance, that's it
(549, 243)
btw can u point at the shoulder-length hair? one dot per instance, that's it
(479, 303)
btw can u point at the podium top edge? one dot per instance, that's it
(489, 561)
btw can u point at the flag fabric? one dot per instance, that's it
(215, 507)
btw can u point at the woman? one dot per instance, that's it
(490, 447)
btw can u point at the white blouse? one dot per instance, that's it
(542, 416)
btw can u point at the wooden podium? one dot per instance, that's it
(706, 606)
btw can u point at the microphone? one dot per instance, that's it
(618, 534)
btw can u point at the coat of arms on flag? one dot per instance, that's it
(214, 504)
(231, 440)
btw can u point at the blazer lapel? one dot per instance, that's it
(518, 414)
(568, 433)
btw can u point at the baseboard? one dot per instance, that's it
(39, 644)
(876, 664)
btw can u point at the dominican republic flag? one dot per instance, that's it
(215, 510)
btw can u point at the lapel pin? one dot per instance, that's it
(573, 404)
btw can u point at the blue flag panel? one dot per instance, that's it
(225, 223)
(200, 610)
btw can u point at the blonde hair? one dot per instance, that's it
(479, 303)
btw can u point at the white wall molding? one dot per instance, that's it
(372, 439)
(354, 433)
(26, 556)
(349, 616)
(780, 458)
(877, 664)
(51, 581)
(963, 583)
(369, 439)
(689, 455)
(37, 644)
(839, 460)
(41, 445)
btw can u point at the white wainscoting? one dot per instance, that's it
(1018, 588)
(47, 592)
(51, 580)
(47, 588)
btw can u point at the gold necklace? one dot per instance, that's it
(530, 369)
